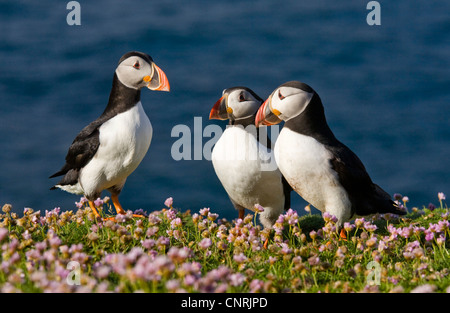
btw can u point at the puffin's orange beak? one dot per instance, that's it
(265, 116)
(219, 110)
(159, 80)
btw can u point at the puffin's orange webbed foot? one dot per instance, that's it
(94, 209)
(266, 243)
(343, 235)
(120, 210)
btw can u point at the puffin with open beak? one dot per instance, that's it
(241, 158)
(320, 168)
(110, 148)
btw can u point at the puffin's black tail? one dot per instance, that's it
(62, 171)
(396, 209)
(70, 177)
(58, 174)
(391, 206)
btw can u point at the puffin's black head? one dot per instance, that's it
(136, 70)
(286, 102)
(236, 103)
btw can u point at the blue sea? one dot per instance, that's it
(385, 88)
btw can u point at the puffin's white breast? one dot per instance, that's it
(124, 141)
(238, 162)
(305, 163)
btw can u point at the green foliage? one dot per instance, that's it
(172, 251)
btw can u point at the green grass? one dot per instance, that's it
(202, 253)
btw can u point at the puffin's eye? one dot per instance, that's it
(136, 65)
(241, 97)
(280, 95)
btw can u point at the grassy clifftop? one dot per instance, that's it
(175, 251)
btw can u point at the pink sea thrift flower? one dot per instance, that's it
(313, 234)
(272, 259)
(172, 285)
(120, 218)
(256, 285)
(175, 223)
(212, 216)
(98, 202)
(3, 233)
(285, 249)
(80, 204)
(359, 222)
(441, 196)
(205, 243)
(329, 217)
(154, 219)
(148, 243)
(427, 288)
(443, 225)
(169, 202)
(314, 260)
(370, 227)
(189, 280)
(308, 208)
(179, 255)
(406, 232)
(291, 217)
(236, 279)
(348, 227)
(102, 271)
(170, 214)
(440, 240)
(239, 258)
(429, 235)
(204, 211)
(259, 208)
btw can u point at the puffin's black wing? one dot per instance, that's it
(365, 196)
(81, 151)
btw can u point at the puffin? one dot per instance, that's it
(109, 149)
(320, 168)
(244, 162)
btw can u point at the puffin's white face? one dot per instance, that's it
(289, 102)
(236, 103)
(286, 102)
(135, 72)
(241, 103)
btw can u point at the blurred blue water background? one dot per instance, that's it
(385, 88)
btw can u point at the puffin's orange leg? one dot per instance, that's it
(118, 207)
(92, 206)
(241, 213)
(343, 235)
(115, 200)
(266, 243)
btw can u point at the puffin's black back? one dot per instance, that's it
(312, 122)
